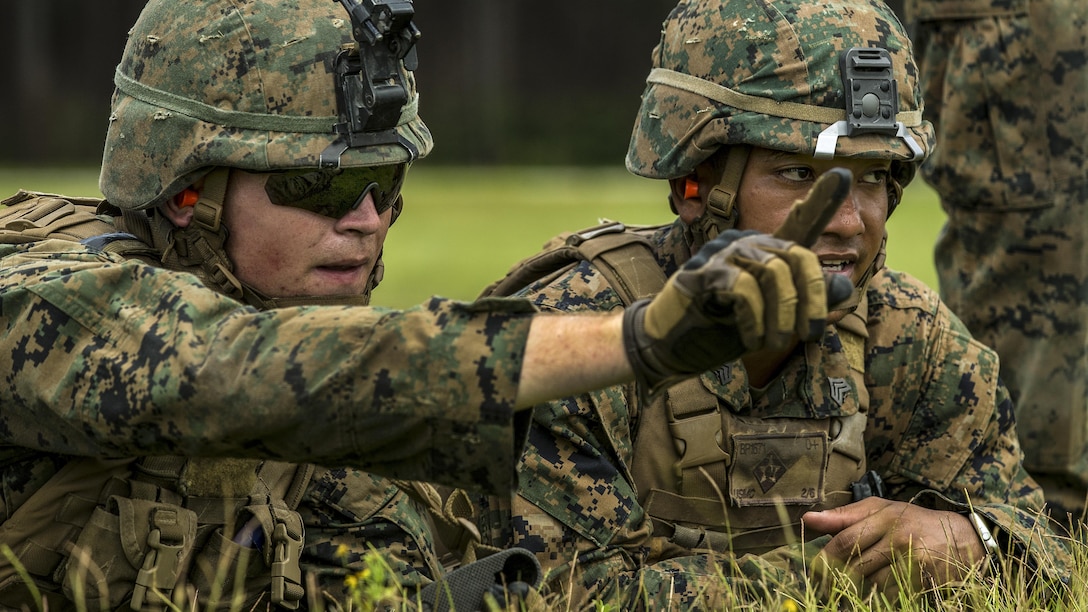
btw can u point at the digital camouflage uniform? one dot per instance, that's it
(939, 421)
(107, 359)
(1006, 87)
(936, 422)
(170, 358)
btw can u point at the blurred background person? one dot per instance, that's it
(1006, 87)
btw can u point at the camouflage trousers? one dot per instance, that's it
(1026, 295)
(1007, 92)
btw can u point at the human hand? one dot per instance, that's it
(743, 291)
(888, 545)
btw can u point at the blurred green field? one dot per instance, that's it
(464, 227)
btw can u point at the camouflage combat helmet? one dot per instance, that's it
(769, 73)
(248, 85)
(208, 85)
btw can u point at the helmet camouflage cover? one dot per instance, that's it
(767, 73)
(249, 85)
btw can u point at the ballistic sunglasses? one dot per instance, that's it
(334, 192)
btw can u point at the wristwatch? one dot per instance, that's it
(984, 534)
(989, 543)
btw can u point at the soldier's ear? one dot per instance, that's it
(179, 209)
(684, 199)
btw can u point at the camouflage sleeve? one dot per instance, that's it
(105, 357)
(576, 506)
(941, 426)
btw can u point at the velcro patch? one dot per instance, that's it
(770, 469)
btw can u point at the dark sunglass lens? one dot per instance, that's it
(334, 192)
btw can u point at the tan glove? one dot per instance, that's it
(743, 291)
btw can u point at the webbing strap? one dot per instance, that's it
(756, 104)
(721, 201)
(696, 427)
(161, 537)
(198, 248)
(625, 259)
(239, 119)
(296, 489)
(735, 537)
(136, 223)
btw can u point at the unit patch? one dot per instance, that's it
(771, 469)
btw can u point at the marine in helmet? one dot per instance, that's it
(885, 447)
(200, 407)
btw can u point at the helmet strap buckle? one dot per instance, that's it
(721, 202)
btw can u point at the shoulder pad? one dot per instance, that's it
(30, 216)
(625, 258)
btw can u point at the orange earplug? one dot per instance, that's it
(691, 189)
(187, 197)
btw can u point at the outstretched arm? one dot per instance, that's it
(595, 342)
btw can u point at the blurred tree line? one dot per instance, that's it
(502, 81)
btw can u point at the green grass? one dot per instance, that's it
(464, 227)
(68, 181)
(1015, 589)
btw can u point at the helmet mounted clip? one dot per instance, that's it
(370, 88)
(872, 101)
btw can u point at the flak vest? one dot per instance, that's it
(715, 476)
(128, 531)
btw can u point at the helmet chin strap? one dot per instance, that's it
(721, 210)
(200, 249)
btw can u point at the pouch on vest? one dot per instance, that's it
(250, 546)
(228, 568)
(40, 530)
(138, 550)
(131, 550)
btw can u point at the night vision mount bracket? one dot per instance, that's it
(872, 100)
(370, 88)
